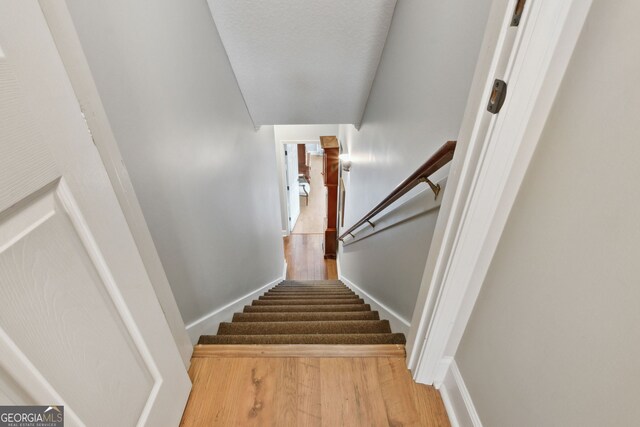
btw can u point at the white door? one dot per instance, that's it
(293, 194)
(80, 325)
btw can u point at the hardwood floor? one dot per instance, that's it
(308, 391)
(311, 218)
(305, 258)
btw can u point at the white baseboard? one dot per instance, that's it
(398, 323)
(208, 324)
(456, 397)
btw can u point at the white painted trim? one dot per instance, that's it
(489, 184)
(397, 322)
(456, 397)
(208, 324)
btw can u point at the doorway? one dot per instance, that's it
(303, 200)
(306, 204)
(307, 201)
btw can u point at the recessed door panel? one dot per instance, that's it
(57, 306)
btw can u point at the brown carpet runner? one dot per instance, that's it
(306, 312)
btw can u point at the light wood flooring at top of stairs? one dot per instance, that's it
(308, 385)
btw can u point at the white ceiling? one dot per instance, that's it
(304, 61)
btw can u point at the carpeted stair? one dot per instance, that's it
(306, 312)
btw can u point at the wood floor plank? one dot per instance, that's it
(396, 387)
(430, 406)
(309, 391)
(309, 395)
(210, 377)
(348, 394)
(285, 400)
(313, 209)
(305, 258)
(372, 399)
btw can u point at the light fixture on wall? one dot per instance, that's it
(346, 161)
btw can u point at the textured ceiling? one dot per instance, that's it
(304, 61)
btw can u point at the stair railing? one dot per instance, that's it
(422, 174)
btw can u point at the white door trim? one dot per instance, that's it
(66, 39)
(489, 182)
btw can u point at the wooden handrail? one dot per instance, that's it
(435, 162)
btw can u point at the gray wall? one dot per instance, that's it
(416, 105)
(554, 339)
(206, 180)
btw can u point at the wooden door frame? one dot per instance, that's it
(70, 50)
(488, 172)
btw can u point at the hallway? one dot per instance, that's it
(305, 258)
(312, 208)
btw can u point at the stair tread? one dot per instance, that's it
(305, 316)
(385, 338)
(310, 291)
(308, 302)
(299, 350)
(301, 286)
(305, 328)
(310, 288)
(311, 282)
(307, 297)
(306, 308)
(284, 293)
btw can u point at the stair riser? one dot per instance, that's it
(311, 291)
(303, 285)
(307, 297)
(306, 308)
(298, 328)
(312, 288)
(305, 339)
(305, 317)
(311, 282)
(308, 302)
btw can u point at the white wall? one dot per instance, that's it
(554, 338)
(205, 178)
(416, 105)
(300, 133)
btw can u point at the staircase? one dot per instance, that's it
(306, 312)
